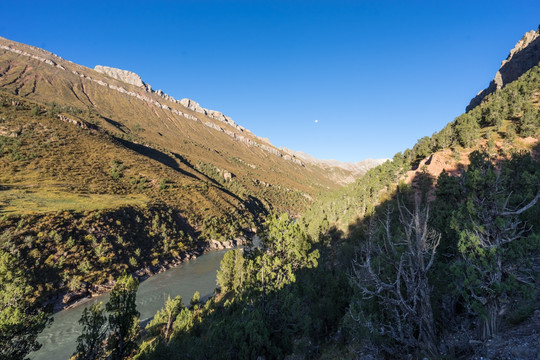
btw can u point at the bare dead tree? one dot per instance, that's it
(405, 294)
(494, 226)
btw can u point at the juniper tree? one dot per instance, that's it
(21, 317)
(401, 288)
(123, 318)
(91, 342)
(490, 224)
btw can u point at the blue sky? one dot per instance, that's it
(376, 75)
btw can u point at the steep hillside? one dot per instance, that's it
(455, 197)
(504, 122)
(79, 205)
(122, 104)
(100, 173)
(432, 255)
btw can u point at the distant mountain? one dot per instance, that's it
(521, 58)
(358, 168)
(342, 172)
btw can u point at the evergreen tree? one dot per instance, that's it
(422, 148)
(231, 275)
(466, 129)
(123, 318)
(529, 121)
(285, 249)
(444, 138)
(489, 226)
(170, 312)
(195, 301)
(21, 319)
(91, 343)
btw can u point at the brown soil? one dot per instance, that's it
(454, 162)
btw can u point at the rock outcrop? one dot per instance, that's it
(47, 60)
(123, 75)
(522, 57)
(216, 115)
(79, 123)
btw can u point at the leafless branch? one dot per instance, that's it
(524, 208)
(407, 297)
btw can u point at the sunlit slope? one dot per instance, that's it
(188, 138)
(49, 165)
(80, 206)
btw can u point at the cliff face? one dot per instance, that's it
(123, 75)
(522, 57)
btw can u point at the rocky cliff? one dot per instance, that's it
(123, 75)
(522, 57)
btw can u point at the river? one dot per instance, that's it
(59, 340)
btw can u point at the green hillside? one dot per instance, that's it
(79, 148)
(505, 123)
(431, 255)
(434, 254)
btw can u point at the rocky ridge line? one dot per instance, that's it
(39, 58)
(524, 55)
(216, 115)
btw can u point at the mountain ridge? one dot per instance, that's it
(153, 178)
(357, 168)
(135, 79)
(523, 56)
(131, 78)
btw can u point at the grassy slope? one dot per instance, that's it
(121, 114)
(127, 184)
(50, 158)
(73, 222)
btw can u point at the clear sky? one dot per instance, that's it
(344, 80)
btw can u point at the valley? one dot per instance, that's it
(106, 182)
(83, 145)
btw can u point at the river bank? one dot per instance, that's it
(71, 299)
(60, 339)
